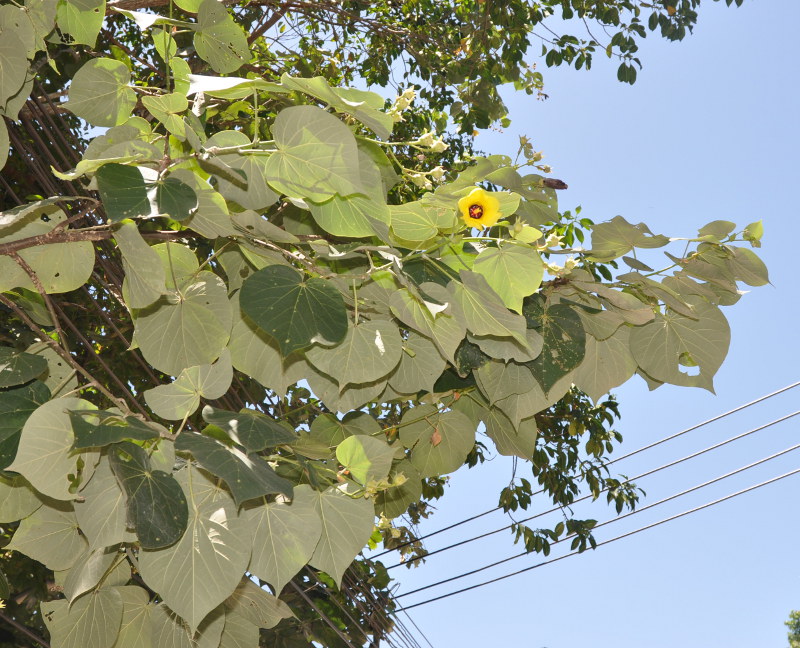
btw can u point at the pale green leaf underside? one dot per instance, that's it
(189, 328)
(346, 526)
(439, 443)
(45, 456)
(201, 570)
(50, 535)
(368, 352)
(512, 271)
(365, 457)
(99, 93)
(284, 537)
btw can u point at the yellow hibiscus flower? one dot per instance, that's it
(479, 209)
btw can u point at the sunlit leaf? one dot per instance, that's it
(257, 606)
(81, 19)
(658, 347)
(92, 620)
(102, 513)
(284, 536)
(203, 568)
(188, 328)
(482, 311)
(365, 457)
(317, 155)
(608, 364)
(50, 535)
(439, 443)
(512, 271)
(45, 456)
(100, 92)
(182, 397)
(17, 499)
(346, 526)
(144, 273)
(369, 351)
(218, 39)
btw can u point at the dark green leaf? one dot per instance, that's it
(16, 405)
(123, 192)
(468, 357)
(253, 430)
(17, 367)
(296, 312)
(110, 428)
(175, 198)
(564, 340)
(157, 507)
(248, 476)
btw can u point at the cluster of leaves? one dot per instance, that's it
(462, 52)
(794, 629)
(291, 335)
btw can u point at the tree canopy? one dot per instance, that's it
(793, 624)
(252, 316)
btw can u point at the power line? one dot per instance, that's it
(322, 615)
(590, 495)
(616, 519)
(625, 456)
(379, 610)
(427, 641)
(605, 542)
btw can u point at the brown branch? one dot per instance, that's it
(270, 22)
(135, 5)
(128, 50)
(22, 263)
(24, 630)
(88, 346)
(54, 236)
(57, 348)
(77, 235)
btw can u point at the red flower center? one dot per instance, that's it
(475, 211)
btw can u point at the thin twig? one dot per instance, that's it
(43, 293)
(24, 630)
(60, 351)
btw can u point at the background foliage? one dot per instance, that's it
(249, 316)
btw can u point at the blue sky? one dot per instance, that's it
(709, 131)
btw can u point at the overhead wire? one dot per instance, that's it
(590, 495)
(322, 615)
(377, 609)
(341, 606)
(374, 612)
(713, 419)
(381, 610)
(424, 636)
(612, 520)
(605, 542)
